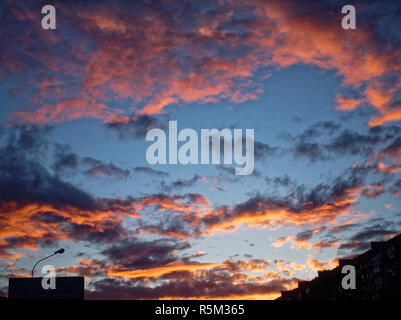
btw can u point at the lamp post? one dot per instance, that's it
(59, 251)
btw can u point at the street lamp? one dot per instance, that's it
(59, 251)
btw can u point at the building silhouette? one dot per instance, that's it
(378, 277)
(71, 288)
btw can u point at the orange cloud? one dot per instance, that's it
(386, 169)
(388, 116)
(66, 110)
(194, 204)
(269, 214)
(322, 265)
(347, 104)
(159, 271)
(139, 61)
(304, 244)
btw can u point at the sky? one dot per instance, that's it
(77, 102)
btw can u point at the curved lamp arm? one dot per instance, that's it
(59, 251)
(33, 269)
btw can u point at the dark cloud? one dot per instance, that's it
(27, 182)
(263, 150)
(376, 229)
(354, 248)
(150, 171)
(31, 139)
(185, 287)
(321, 202)
(320, 128)
(350, 142)
(24, 180)
(284, 181)
(171, 226)
(392, 150)
(312, 151)
(26, 141)
(65, 159)
(107, 232)
(304, 236)
(57, 209)
(107, 170)
(373, 232)
(140, 254)
(181, 183)
(91, 161)
(395, 187)
(135, 127)
(322, 141)
(49, 217)
(342, 228)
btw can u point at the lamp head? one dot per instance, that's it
(59, 251)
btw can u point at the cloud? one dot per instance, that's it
(147, 270)
(284, 181)
(159, 271)
(377, 229)
(189, 280)
(182, 183)
(189, 288)
(349, 142)
(346, 142)
(347, 104)
(135, 254)
(134, 127)
(387, 169)
(65, 159)
(373, 232)
(320, 205)
(310, 150)
(150, 171)
(303, 240)
(93, 268)
(65, 110)
(40, 209)
(317, 265)
(133, 61)
(204, 56)
(392, 151)
(263, 150)
(301, 206)
(356, 247)
(107, 170)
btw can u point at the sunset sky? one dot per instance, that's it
(77, 102)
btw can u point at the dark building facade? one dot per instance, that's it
(31, 288)
(378, 277)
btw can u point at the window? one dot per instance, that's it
(390, 252)
(379, 283)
